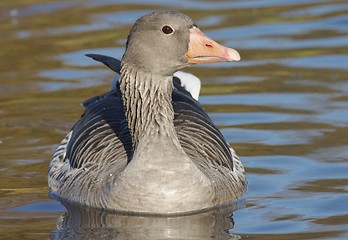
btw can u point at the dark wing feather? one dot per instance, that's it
(102, 129)
(113, 63)
(197, 134)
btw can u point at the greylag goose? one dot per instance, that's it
(147, 146)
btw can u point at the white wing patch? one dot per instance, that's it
(190, 82)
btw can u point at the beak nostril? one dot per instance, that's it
(202, 49)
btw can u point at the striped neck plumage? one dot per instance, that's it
(147, 100)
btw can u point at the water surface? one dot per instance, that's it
(284, 109)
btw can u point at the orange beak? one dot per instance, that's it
(202, 49)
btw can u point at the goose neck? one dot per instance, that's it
(147, 102)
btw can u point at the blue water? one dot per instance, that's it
(283, 108)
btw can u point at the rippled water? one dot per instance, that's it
(284, 108)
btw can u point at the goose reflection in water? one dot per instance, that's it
(90, 223)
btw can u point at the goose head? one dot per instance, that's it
(165, 42)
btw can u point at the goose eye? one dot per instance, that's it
(167, 29)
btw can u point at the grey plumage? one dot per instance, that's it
(147, 146)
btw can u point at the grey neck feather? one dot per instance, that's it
(147, 102)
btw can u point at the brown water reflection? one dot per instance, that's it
(284, 107)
